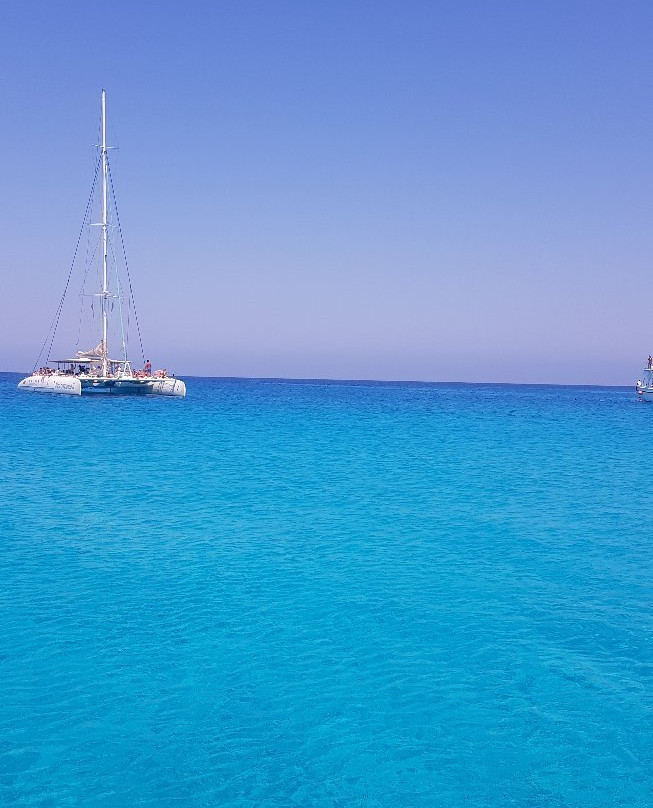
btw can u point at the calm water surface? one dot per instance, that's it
(284, 593)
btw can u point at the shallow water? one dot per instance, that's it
(319, 594)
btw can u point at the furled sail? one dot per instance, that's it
(97, 353)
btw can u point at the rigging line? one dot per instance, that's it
(55, 320)
(124, 335)
(81, 290)
(81, 293)
(119, 296)
(89, 206)
(88, 261)
(124, 253)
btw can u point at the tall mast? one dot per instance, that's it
(105, 290)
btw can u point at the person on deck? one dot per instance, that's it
(148, 368)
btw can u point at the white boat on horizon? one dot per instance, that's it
(644, 386)
(94, 371)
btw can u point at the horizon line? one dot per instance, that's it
(332, 380)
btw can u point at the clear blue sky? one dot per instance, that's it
(391, 190)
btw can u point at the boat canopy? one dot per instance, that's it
(88, 360)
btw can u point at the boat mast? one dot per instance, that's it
(105, 291)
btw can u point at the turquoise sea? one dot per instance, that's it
(295, 593)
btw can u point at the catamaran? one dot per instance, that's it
(94, 371)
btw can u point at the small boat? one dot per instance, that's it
(94, 372)
(644, 386)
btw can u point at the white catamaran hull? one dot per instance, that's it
(51, 384)
(103, 386)
(134, 387)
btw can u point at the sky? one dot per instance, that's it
(437, 191)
